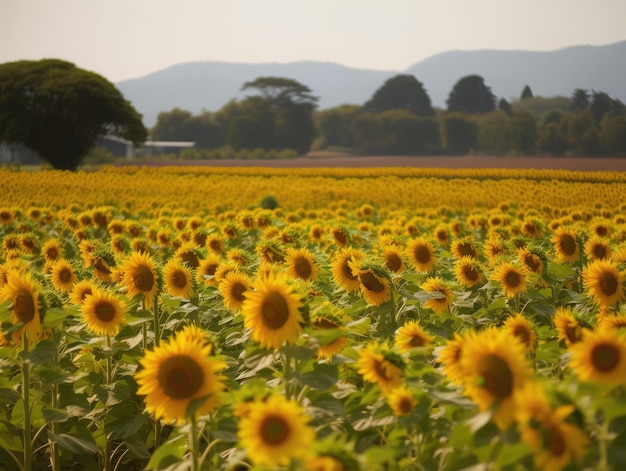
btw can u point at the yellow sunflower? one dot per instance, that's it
(205, 273)
(605, 282)
(300, 263)
(7, 215)
(233, 288)
(531, 260)
(193, 333)
(411, 335)
(600, 356)
(103, 312)
(565, 245)
(378, 365)
(63, 276)
(468, 271)
(568, 327)
(23, 292)
(523, 330)
(272, 311)
(372, 283)
(275, 431)
(392, 258)
(140, 277)
(176, 373)
(555, 443)
(334, 346)
(464, 247)
(512, 278)
(421, 254)
(401, 401)
(340, 268)
(494, 369)
(177, 278)
(81, 290)
(493, 248)
(52, 250)
(443, 299)
(450, 356)
(322, 462)
(597, 248)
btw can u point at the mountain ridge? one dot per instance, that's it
(208, 85)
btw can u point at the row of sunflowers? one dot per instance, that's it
(168, 319)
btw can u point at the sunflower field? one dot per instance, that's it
(195, 318)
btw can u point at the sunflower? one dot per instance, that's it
(275, 431)
(494, 369)
(604, 282)
(468, 271)
(450, 356)
(340, 236)
(565, 245)
(379, 365)
(193, 333)
(23, 293)
(392, 258)
(188, 253)
(512, 279)
(233, 288)
(316, 232)
(103, 312)
(372, 282)
(421, 254)
(140, 277)
(411, 335)
(568, 327)
(177, 373)
(531, 260)
(340, 268)
(612, 321)
(300, 263)
(600, 357)
(464, 247)
(177, 278)
(442, 298)
(7, 216)
(63, 276)
(493, 249)
(555, 443)
(597, 248)
(272, 311)
(205, 273)
(401, 401)
(52, 250)
(238, 256)
(215, 244)
(325, 321)
(523, 330)
(322, 462)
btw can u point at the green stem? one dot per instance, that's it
(603, 439)
(108, 380)
(28, 455)
(193, 443)
(54, 426)
(287, 374)
(109, 371)
(157, 322)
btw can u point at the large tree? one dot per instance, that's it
(470, 95)
(59, 110)
(181, 125)
(403, 92)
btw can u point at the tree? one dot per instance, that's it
(494, 136)
(59, 110)
(335, 125)
(583, 134)
(613, 134)
(401, 92)
(580, 99)
(470, 95)
(458, 133)
(523, 128)
(181, 125)
(505, 106)
(526, 93)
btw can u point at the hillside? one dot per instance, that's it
(195, 86)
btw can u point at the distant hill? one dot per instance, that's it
(195, 86)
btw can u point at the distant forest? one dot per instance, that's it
(280, 119)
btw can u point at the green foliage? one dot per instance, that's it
(335, 125)
(540, 106)
(551, 139)
(251, 130)
(403, 92)
(583, 134)
(494, 135)
(470, 95)
(523, 127)
(99, 156)
(269, 202)
(58, 110)
(181, 125)
(526, 93)
(459, 133)
(613, 134)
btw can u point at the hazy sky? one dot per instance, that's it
(123, 39)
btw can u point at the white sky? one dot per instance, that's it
(122, 39)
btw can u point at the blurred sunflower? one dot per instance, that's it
(103, 312)
(512, 279)
(531, 260)
(205, 274)
(23, 293)
(215, 244)
(189, 254)
(177, 373)
(275, 431)
(568, 327)
(372, 282)
(464, 247)
(565, 245)
(63, 276)
(177, 278)
(140, 277)
(401, 401)
(233, 288)
(421, 254)
(7, 216)
(605, 282)
(443, 297)
(52, 250)
(450, 356)
(411, 335)
(468, 271)
(81, 290)
(340, 268)
(300, 263)
(521, 329)
(392, 258)
(597, 248)
(377, 364)
(600, 357)
(272, 311)
(325, 319)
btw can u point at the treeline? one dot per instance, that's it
(399, 120)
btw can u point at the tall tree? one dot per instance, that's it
(59, 110)
(181, 125)
(401, 92)
(470, 95)
(526, 93)
(580, 99)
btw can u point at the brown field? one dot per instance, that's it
(320, 159)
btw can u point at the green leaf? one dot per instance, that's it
(10, 437)
(168, 454)
(125, 427)
(54, 415)
(56, 316)
(195, 404)
(379, 455)
(50, 375)
(323, 376)
(137, 448)
(74, 444)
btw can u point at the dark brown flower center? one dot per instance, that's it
(303, 268)
(347, 271)
(533, 262)
(471, 273)
(274, 430)
(608, 284)
(417, 341)
(371, 282)
(52, 253)
(237, 291)
(467, 250)
(568, 244)
(422, 254)
(512, 279)
(522, 333)
(65, 275)
(274, 311)
(405, 406)
(555, 441)
(180, 377)
(190, 259)
(599, 251)
(179, 280)
(605, 357)
(24, 306)
(497, 377)
(105, 311)
(394, 262)
(143, 278)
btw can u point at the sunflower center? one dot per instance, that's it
(371, 282)
(405, 406)
(599, 251)
(143, 278)
(340, 237)
(608, 284)
(180, 377)
(53, 253)
(101, 266)
(522, 333)
(572, 332)
(190, 259)
(382, 370)
(422, 254)
(24, 306)
(568, 244)
(533, 262)
(105, 311)
(275, 311)
(497, 376)
(179, 280)
(394, 262)
(471, 273)
(605, 357)
(555, 441)
(467, 250)
(237, 292)
(323, 323)
(347, 271)
(274, 430)
(417, 341)
(65, 275)
(303, 268)
(512, 279)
